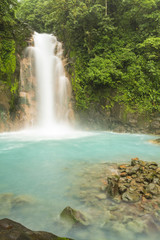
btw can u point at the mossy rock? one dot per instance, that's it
(73, 216)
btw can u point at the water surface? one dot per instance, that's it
(45, 168)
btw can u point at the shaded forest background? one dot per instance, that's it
(112, 49)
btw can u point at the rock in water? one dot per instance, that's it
(155, 141)
(112, 187)
(135, 182)
(130, 197)
(101, 196)
(10, 230)
(74, 217)
(9, 201)
(22, 200)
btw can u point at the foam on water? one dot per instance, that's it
(58, 133)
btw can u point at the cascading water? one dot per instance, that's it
(45, 57)
(50, 85)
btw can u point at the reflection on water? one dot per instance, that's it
(50, 170)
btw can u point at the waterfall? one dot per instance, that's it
(45, 67)
(45, 78)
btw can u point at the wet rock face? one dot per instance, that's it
(118, 119)
(27, 94)
(135, 181)
(10, 230)
(113, 186)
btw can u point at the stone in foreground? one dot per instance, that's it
(10, 230)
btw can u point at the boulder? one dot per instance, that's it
(136, 226)
(130, 197)
(101, 196)
(22, 200)
(152, 188)
(112, 188)
(135, 161)
(10, 230)
(73, 217)
(122, 187)
(152, 165)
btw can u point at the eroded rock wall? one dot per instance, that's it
(118, 119)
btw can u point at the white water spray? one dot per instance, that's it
(44, 54)
(44, 85)
(52, 85)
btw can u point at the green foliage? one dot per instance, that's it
(7, 59)
(113, 48)
(103, 71)
(14, 96)
(12, 41)
(31, 12)
(7, 42)
(14, 87)
(7, 10)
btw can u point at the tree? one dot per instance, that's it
(110, 45)
(106, 6)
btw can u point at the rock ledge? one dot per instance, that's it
(10, 230)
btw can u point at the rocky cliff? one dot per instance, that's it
(118, 119)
